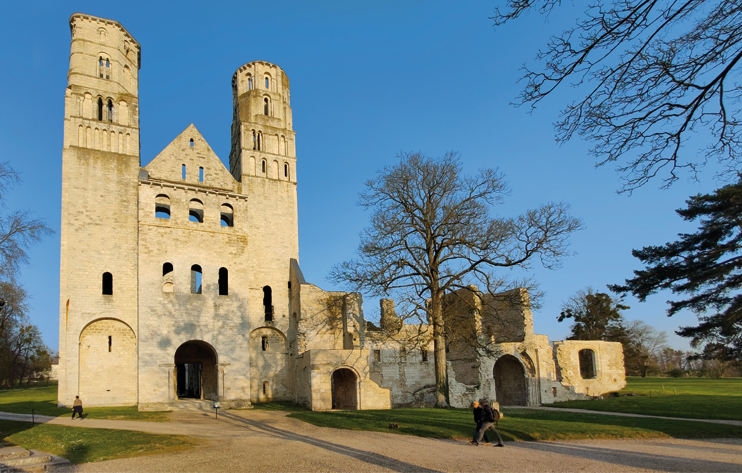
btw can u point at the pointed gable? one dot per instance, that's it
(191, 150)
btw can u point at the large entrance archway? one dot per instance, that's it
(510, 382)
(344, 389)
(195, 365)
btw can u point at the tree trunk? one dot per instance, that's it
(439, 348)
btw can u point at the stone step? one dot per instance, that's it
(34, 462)
(8, 453)
(28, 460)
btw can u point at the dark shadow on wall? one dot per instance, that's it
(358, 454)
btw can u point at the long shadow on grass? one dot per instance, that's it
(368, 457)
(633, 459)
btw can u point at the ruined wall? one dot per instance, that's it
(507, 317)
(269, 366)
(608, 369)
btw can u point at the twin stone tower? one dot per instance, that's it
(180, 283)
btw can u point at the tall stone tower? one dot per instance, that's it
(263, 159)
(100, 167)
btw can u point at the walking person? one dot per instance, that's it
(478, 412)
(77, 408)
(488, 419)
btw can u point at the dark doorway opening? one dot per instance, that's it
(344, 389)
(196, 372)
(189, 380)
(510, 382)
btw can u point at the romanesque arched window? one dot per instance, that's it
(107, 284)
(100, 109)
(162, 206)
(254, 140)
(260, 139)
(223, 282)
(266, 104)
(227, 215)
(109, 114)
(263, 166)
(587, 364)
(196, 211)
(167, 277)
(286, 170)
(268, 303)
(196, 279)
(267, 83)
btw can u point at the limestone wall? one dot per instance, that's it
(608, 366)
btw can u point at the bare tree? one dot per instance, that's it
(432, 233)
(652, 74)
(647, 345)
(18, 230)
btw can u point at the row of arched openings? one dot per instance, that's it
(250, 84)
(196, 279)
(195, 211)
(105, 110)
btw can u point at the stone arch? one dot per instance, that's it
(344, 382)
(510, 381)
(588, 364)
(269, 365)
(108, 363)
(196, 373)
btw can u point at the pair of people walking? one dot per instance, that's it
(485, 418)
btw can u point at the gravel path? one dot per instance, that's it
(268, 441)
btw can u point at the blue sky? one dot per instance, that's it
(368, 80)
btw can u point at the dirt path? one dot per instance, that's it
(269, 441)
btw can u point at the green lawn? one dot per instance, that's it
(279, 406)
(81, 445)
(696, 398)
(518, 424)
(43, 400)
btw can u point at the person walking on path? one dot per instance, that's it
(488, 419)
(478, 412)
(77, 407)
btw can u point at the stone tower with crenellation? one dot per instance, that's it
(100, 167)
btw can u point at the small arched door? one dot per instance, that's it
(344, 389)
(510, 382)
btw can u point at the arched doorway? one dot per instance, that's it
(344, 389)
(510, 382)
(195, 365)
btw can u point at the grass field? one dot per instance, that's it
(694, 398)
(43, 400)
(518, 424)
(81, 445)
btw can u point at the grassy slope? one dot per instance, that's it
(518, 424)
(81, 445)
(43, 400)
(696, 398)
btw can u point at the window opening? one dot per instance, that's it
(183, 172)
(249, 83)
(196, 211)
(265, 387)
(223, 282)
(265, 105)
(200, 174)
(254, 140)
(424, 353)
(285, 170)
(268, 303)
(377, 356)
(289, 284)
(264, 342)
(554, 392)
(107, 284)
(263, 166)
(110, 111)
(227, 215)
(196, 279)
(162, 207)
(191, 142)
(267, 83)
(167, 277)
(100, 109)
(100, 66)
(109, 344)
(587, 364)
(260, 138)
(108, 68)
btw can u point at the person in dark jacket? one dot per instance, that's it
(478, 412)
(487, 422)
(77, 407)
